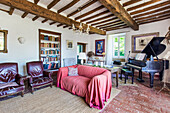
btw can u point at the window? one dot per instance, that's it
(119, 46)
(3, 41)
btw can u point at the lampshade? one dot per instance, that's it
(82, 55)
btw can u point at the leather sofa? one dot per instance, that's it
(92, 83)
(39, 77)
(10, 81)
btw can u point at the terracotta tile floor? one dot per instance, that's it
(140, 99)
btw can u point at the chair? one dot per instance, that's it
(10, 81)
(39, 77)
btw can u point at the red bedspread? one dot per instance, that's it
(96, 80)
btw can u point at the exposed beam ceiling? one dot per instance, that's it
(68, 6)
(32, 8)
(130, 2)
(36, 1)
(82, 7)
(109, 23)
(97, 23)
(11, 11)
(53, 3)
(118, 10)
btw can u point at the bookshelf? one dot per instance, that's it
(50, 49)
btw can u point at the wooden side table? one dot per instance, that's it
(53, 75)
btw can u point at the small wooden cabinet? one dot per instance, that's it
(50, 49)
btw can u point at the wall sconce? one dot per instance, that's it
(21, 40)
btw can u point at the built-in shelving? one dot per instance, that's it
(50, 49)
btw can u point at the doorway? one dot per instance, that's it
(81, 47)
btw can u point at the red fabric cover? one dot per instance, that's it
(98, 89)
(77, 85)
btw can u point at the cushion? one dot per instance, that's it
(77, 85)
(72, 71)
(8, 84)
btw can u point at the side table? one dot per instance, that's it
(53, 75)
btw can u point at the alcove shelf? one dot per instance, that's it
(50, 49)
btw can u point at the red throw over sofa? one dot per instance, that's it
(93, 83)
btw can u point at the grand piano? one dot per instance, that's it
(147, 63)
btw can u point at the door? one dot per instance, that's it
(81, 47)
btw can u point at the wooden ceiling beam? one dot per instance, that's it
(154, 20)
(11, 10)
(32, 8)
(105, 17)
(90, 12)
(154, 15)
(94, 16)
(119, 23)
(82, 7)
(150, 8)
(35, 18)
(130, 2)
(118, 10)
(117, 27)
(36, 1)
(68, 6)
(109, 23)
(52, 23)
(151, 12)
(142, 5)
(4, 10)
(104, 21)
(45, 20)
(65, 26)
(52, 4)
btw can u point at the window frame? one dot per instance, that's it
(113, 39)
(5, 41)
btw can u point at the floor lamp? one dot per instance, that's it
(82, 56)
(166, 74)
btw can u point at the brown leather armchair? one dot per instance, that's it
(10, 81)
(39, 77)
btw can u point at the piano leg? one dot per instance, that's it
(151, 79)
(140, 77)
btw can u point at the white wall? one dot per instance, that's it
(160, 26)
(29, 51)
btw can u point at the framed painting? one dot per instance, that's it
(70, 44)
(140, 41)
(99, 47)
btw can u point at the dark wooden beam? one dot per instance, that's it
(118, 10)
(59, 25)
(119, 23)
(154, 15)
(45, 20)
(24, 15)
(36, 1)
(151, 12)
(117, 27)
(35, 18)
(65, 26)
(130, 2)
(32, 8)
(4, 10)
(105, 17)
(142, 5)
(150, 8)
(110, 23)
(52, 23)
(104, 21)
(154, 20)
(11, 10)
(90, 12)
(94, 16)
(82, 7)
(68, 6)
(52, 4)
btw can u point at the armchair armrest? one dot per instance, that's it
(20, 79)
(47, 74)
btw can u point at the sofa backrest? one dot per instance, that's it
(8, 71)
(35, 68)
(89, 71)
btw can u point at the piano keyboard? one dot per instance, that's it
(134, 66)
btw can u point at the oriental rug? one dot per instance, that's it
(50, 100)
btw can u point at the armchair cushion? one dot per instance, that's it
(40, 81)
(8, 84)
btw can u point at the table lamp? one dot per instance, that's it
(82, 56)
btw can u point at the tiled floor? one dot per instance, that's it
(140, 99)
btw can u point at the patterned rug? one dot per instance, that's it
(50, 100)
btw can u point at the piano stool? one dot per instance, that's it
(127, 72)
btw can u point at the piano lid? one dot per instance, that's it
(154, 47)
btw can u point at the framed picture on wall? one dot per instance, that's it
(69, 44)
(99, 47)
(140, 41)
